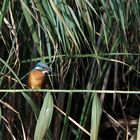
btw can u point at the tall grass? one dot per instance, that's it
(90, 45)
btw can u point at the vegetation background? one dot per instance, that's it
(93, 48)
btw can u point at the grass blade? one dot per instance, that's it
(95, 117)
(3, 11)
(45, 117)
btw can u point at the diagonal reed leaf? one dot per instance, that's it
(95, 117)
(31, 103)
(3, 11)
(30, 22)
(44, 118)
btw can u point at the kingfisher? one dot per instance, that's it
(37, 77)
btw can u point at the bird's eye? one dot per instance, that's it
(43, 68)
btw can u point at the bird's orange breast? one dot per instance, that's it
(36, 79)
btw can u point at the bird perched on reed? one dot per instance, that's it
(37, 77)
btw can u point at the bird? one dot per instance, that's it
(37, 76)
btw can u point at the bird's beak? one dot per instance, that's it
(48, 70)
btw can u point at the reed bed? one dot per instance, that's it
(93, 49)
